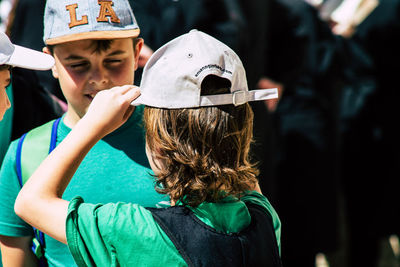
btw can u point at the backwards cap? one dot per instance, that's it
(173, 75)
(19, 56)
(73, 20)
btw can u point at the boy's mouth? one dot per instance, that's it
(91, 96)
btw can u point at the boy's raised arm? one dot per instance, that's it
(40, 201)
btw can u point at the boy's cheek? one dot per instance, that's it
(123, 74)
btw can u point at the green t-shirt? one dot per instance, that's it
(116, 169)
(6, 126)
(121, 234)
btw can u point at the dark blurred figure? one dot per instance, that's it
(25, 27)
(255, 59)
(31, 106)
(33, 92)
(298, 146)
(161, 21)
(371, 145)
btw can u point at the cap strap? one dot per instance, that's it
(239, 97)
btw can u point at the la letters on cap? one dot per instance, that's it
(106, 11)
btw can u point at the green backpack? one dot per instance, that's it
(33, 147)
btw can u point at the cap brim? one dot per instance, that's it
(138, 101)
(94, 35)
(30, 59)
(235, 98)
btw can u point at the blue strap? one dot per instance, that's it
(38, 243)
(53, 141)
(18, 159)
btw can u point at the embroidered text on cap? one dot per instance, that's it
(106, 11)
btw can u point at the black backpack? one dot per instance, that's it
(201, 245)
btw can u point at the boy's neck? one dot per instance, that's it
(71, 119)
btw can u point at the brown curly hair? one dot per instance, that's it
(203, 151)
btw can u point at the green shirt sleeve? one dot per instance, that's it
(86, 234)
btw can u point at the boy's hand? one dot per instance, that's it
(110, 109)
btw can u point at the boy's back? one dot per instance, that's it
(134, 237)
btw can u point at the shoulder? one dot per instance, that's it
(43, 129)
(40, 136)
(8, 163)
(112, 222)
(114, 210)
(112, 219)
(12, 148)
(99, 233)
(256, 198)
(26, 153)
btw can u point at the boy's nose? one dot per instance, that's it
(98, 77)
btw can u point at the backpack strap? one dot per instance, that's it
(33, 147)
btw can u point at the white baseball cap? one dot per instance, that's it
(23, 57)
(173, 75)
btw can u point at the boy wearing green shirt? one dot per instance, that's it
(198, 134)
(95, 47)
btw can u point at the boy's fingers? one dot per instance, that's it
(132, 94)
(128, 88)
(122, 89)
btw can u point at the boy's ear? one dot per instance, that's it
(138, 48)
(53, 69)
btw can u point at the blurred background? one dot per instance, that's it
(328, 150)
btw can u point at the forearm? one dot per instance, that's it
(16, 251)
(39, 202)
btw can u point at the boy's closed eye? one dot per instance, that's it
(113, 62)
(79, 66)
(84, 65)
